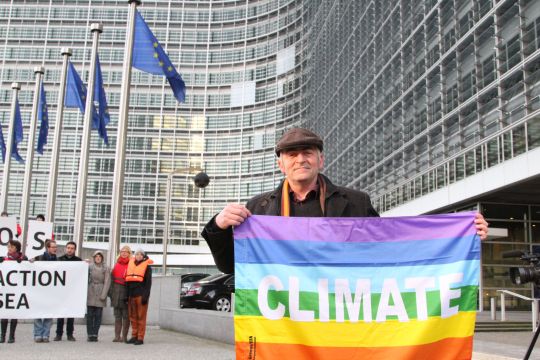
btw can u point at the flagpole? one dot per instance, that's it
(9, 145)
(55, 156)
(27, 184)
(120, 158)
(80, 205)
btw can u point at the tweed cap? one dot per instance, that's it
(297, 138)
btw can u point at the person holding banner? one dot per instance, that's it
(13, 254)
(19, 230)
(42, 327)
(139, 283)
(304, 192)
(41, 217)
(99, 281)
(118, 294)
(69, 255)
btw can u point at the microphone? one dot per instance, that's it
(513, 254)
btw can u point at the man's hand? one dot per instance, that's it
(481, 226)
(232, 215)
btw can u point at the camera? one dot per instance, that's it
(526, 274)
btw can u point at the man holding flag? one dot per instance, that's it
(304, 192)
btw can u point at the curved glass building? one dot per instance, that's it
(242, 64)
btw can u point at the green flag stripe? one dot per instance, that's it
(246, 302)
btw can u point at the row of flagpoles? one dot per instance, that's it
(142, 51)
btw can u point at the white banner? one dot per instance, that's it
(43, 289)
(38, 232)
(8, 231)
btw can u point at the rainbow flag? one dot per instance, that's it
(356, 288)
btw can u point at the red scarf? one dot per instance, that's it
(120, 270)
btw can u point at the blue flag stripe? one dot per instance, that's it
(306, 253)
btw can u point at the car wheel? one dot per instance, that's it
(222, 303)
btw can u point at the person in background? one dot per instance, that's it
(13, 254)
(99, 281)
(41, 217)
(69, 255)
(139, 283)
(42, 327)
(118, 295)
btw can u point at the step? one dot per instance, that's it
(500, 326)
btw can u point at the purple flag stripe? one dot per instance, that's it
(369, 229)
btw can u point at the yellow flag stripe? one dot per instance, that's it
(360, 334)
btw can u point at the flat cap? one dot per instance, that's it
(298, 138)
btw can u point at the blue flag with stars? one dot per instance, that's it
(76, 94)
(103, 108)
(43, 116)
(17, 134)
(2, 145)
(148, 56)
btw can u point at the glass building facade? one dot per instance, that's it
(409, 96)
(241, 61)
(414, 96)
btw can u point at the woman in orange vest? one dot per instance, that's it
(118, 295)
(139, 283)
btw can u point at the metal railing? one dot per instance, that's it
(534, 306)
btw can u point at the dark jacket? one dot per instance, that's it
(13, 257)
(340, 202)
(66, 258)
(135, 288)
(46, 257)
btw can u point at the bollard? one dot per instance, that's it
(503, 305)
(493, 307)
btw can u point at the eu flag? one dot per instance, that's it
(76, 94)
(42, 115)
(2, 145)
(103, 108)
(17, 134)
(148, 56)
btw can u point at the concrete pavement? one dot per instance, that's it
(163, 345)
(158, 344)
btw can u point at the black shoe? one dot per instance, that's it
(11, 340)
(131, 341)
(2, 338)
(58, 338)
(71, 338)
(138, 342)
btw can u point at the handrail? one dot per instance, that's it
(534, 306)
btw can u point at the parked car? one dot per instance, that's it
(213, 292)
(187, 279)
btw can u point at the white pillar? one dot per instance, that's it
(9, 144)
(80, 205)
(121, 137)
(57, 140)
(27, 184)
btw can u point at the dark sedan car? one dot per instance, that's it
(186, 280)
(213, 292)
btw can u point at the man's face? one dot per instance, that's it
(70, 250)
(301, 165)
(139, 256)
(52, 249)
